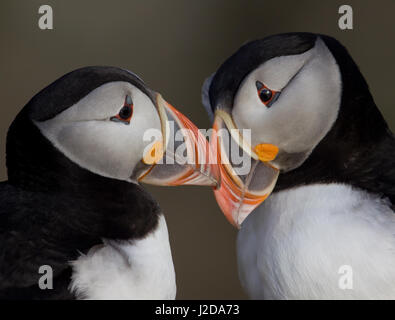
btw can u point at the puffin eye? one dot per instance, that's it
(125, 114)
(267, 96)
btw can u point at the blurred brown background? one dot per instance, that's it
(173, 46)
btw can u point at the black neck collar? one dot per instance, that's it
(115, 209)
(359, 149)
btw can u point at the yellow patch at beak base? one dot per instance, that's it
(266, 151)
(154, 154)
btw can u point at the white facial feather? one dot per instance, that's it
(276, 72)
(85, 134)
(306, 108)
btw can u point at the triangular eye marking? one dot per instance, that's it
(126, 112)
(267, 96)
(259, 85)
(128, 100)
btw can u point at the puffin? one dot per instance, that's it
(314, 201)
(75, 223)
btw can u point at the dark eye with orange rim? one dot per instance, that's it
(126, 112)
(267, 96)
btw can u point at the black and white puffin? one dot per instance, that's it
(321, 146)
(75, 155)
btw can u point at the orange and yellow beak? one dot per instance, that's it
(246, 181)
(182, 154)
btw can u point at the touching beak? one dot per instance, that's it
(180, 155)
(246, 175)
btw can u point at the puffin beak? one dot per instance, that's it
(181, 155)
(246, 180)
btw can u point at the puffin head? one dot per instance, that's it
(107, 121)
(279, 100)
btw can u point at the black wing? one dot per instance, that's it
(33, 233)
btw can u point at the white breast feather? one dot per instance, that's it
(292, 246)
(140, 269)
